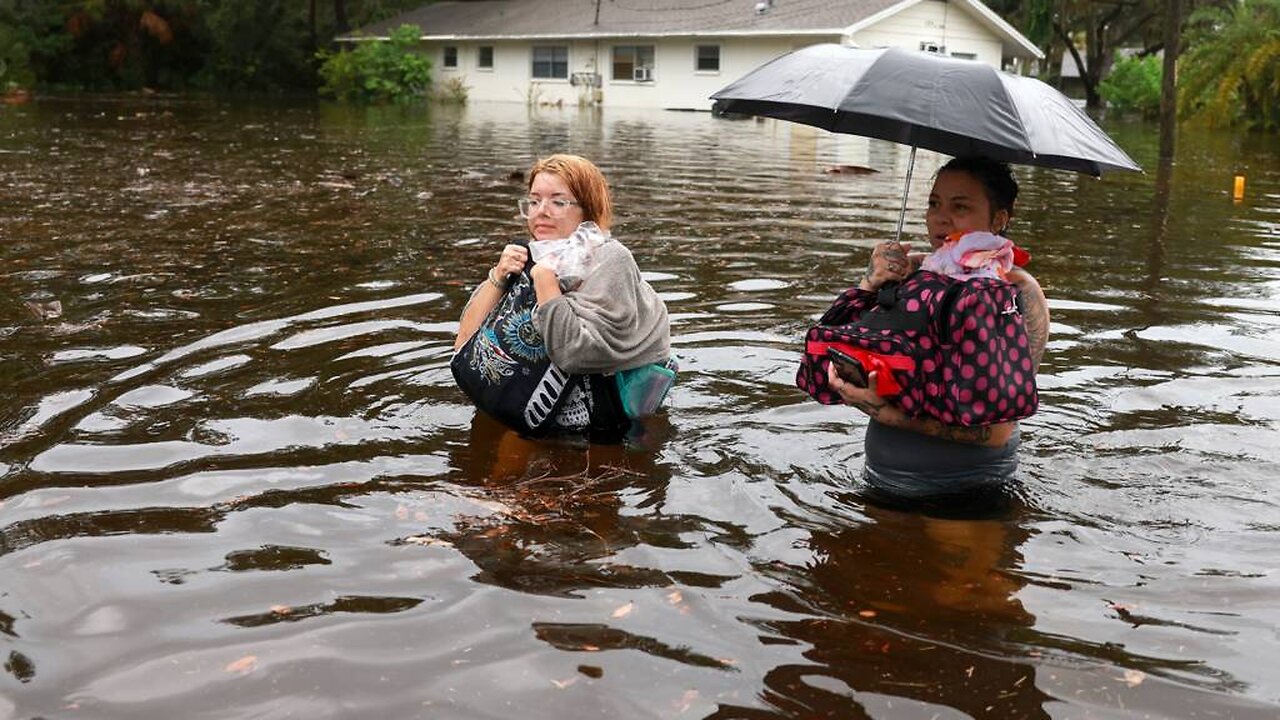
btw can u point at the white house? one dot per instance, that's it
(673, 54)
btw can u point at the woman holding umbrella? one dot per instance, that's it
(920, 457)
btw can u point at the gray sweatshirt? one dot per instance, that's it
(613, 321)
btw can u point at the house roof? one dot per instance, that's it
(564, 19)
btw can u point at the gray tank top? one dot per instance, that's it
(915, 466)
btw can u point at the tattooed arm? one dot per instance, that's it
(885, 413)
(1035, 312)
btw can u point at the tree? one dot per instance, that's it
(1168, 86)
(1104, 26)
(1230, 72)
(258, 45)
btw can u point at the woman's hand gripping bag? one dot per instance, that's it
(505, 369)
(956, 351)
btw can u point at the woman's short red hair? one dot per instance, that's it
(585, 181)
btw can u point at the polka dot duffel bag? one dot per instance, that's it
(953, 350)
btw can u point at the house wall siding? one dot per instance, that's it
(677, 84)
(935, 22)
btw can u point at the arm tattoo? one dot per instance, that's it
(976, 435)
(1036, 317)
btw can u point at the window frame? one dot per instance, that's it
(635, 63)
(480, 52)
(551, 63)
(697, 58)
(444, 57)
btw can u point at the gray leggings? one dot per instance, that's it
(917, 467)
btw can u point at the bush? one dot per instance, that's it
(15, 66)
(452, 91)
(378, 71)
(1134, 85)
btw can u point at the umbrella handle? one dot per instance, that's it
(906, 190)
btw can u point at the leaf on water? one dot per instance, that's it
(428, 541)
(625, 610)
(968, 672)
(1134, 678)
(867, 613)
(402, 512)
(674, 597)
(562, 684)
(244, 665)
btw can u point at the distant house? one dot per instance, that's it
(674, 53)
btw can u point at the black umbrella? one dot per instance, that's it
(957, 107)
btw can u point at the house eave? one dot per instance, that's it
(1007, 32)
(821, 32)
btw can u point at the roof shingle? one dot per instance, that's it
(577, 18)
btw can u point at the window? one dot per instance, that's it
(485, 61)
(707, 58)
(450, 56)
(633, 62)
(933, 47)
(965, 56)
(550, 61)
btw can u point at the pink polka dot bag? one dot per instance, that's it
(953, 350)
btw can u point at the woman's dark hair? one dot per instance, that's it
(996, 178)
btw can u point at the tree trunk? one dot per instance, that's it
(1096, 51)
(340, 16)
(1168, 82)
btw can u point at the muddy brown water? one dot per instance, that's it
(236, 479)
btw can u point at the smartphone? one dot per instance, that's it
(848, 367)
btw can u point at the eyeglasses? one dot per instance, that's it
(556, 207)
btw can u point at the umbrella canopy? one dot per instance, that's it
(957, 107)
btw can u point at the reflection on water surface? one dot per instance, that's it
(236, 478)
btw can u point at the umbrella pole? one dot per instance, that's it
(902, 214)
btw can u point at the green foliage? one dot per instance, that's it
(15, 60)
(174, 44)
(1134, 85)
(378, 71)
(1230, 72)
(261, 45)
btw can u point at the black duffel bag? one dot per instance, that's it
(505, 370)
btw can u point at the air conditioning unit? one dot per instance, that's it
(642, 74)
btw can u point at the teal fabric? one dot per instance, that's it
(643, 389)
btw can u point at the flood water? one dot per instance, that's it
(237, 480)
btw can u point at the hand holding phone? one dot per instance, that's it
(848, 367)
